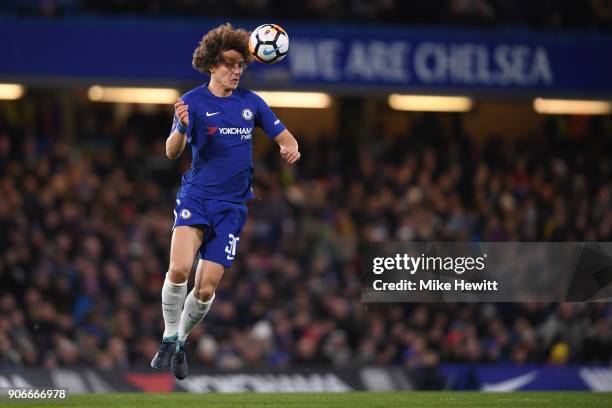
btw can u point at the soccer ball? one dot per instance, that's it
(269, 43)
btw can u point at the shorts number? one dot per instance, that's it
(230, 249)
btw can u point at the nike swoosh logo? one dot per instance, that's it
(211, 114)
(598, 379)
(266, 52)
(511, 384)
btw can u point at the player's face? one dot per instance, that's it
(228, 71)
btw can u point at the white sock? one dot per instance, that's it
(173, 297)
(193, 313)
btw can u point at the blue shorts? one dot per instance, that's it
(224, 221)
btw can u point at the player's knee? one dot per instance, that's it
(178, 272)
(204, 292)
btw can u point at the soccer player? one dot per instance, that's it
(217, 120)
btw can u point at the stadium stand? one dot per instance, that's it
(85, 226)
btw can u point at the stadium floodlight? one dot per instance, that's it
(11, 91)
(99, 93)
(430, 103)
(312, 100)
(571, 107)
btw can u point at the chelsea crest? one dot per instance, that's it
(247, 114)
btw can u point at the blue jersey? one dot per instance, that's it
(220, 134)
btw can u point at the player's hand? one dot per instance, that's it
(290, 153)
(181, 110)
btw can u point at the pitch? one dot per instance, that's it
(349, 400)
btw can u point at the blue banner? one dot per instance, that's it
(349, 57)
(528, 377)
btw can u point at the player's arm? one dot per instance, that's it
(289, 149)
(176, 142)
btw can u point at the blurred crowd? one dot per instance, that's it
(539, 14)
(85, 227)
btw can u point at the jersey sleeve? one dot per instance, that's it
(191, 128)
(174, 124)
(267, 120)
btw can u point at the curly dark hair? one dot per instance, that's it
(217, 40)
